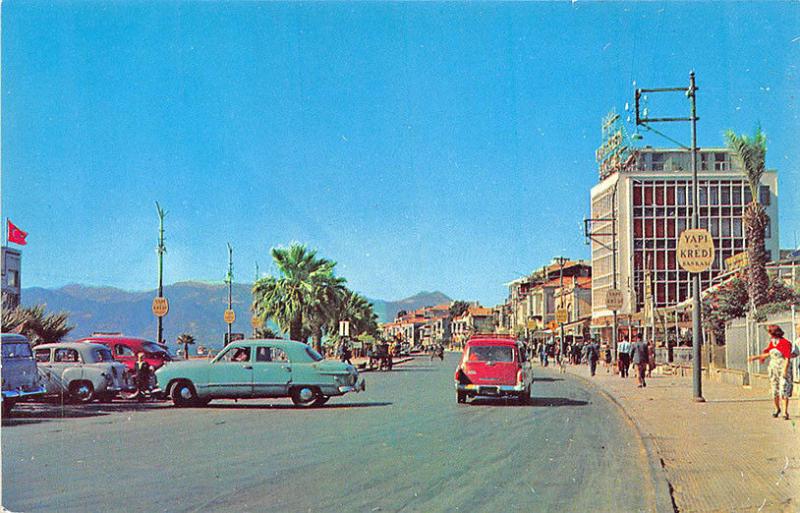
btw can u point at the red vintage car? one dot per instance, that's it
(126, 349)
(496, 366)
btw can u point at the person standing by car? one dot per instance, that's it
(143, 374)
(780, 354)
(640, 354)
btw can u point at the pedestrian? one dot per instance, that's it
(651, 359)
(623, 357)
(543, 354)
(607, 356)
(592, 355)
(143, 372)
(780, 353)
(640, 354)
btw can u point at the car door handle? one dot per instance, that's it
(246, 366)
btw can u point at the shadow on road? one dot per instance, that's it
(334, 406)
(546, 380)
(33, 413)
(534, 402)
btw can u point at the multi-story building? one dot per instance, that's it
(652, 200)
(12, 273)
(476, 319)
(424, 326)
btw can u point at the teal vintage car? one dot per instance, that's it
(255, 369)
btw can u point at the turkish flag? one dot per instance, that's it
(16, 235)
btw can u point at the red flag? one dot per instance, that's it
(16, 235)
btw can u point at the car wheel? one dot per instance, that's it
(304, 396)
(321, 399)
(183, 394)
(81, 392)
(462, 397)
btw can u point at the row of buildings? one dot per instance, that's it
(641, 203)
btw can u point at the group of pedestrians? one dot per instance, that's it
(639, 354)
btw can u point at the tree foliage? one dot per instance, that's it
(36, 324)
(458, 308)
(751, 153)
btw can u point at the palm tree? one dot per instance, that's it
(322, 312)
(289, 298)
(264, 332)
(751, 153)
(36, 324)
(186, 340)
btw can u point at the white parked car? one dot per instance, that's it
(80, 371)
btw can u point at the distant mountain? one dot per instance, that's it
(194, 307)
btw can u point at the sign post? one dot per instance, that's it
(614, 299)
(160, 306)
(695, 250)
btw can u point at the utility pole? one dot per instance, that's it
(691, 93)
(561, 261)
(160, 250)
(229, 281)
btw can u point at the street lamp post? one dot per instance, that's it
(561, 261)
(691, 93)
(160, 250)
(229, 280)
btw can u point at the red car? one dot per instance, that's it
(126, 349)
(494, 365)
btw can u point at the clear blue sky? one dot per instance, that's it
(422, 146)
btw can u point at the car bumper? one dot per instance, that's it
(360, 386)
(19, 394)
(497, 390)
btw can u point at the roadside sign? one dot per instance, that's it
(344, 328)
(256, 321)
(531, 324)
(695, 250)
(737, 261)
(160, 306)
(229, 316)
(561, 315)
(614, 299)
(552, 325)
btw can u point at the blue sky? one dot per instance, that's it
(422, 146)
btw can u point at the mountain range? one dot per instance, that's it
(194, 307)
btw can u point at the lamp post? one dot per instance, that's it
(691, 93)
(160, 250)
(229, 281)
(561, 261)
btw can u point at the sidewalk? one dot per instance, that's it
(725, 455)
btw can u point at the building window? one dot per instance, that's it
(13, 278)
(763, 195)
(657, 163)
(768, 229)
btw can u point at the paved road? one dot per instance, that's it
(404, 445)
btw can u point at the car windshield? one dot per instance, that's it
(16, 350)
(152, 347)
(491, 354)
(102, 355)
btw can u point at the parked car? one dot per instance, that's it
(259, 368)
(126, 349)
(20, 377)
(494, 365)
(81, 372)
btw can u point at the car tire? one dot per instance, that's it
(461, 397)
(81, 392)
(304, 396)
(321, 400)
(183, 394)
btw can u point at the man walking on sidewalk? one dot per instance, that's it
(641, 356)
(592, 355)
(624, 357)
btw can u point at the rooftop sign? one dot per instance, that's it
(614, 154)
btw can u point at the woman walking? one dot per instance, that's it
(779, 352)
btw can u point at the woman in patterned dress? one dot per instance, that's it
(779, 352)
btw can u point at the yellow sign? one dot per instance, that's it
(561, 315)
(614, 299)
(552, 325)
(160, 306)
(256, 322)
(695, 250)
(737, 261)
(229, 316)
(531, 324)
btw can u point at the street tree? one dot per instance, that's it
(289, 297)
(185, 339)
(36, 324)
(458, 308)
(751, 153)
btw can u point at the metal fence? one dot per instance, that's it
(744, 338)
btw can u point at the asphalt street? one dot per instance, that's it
(403, 445)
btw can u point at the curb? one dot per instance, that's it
(662, 488)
